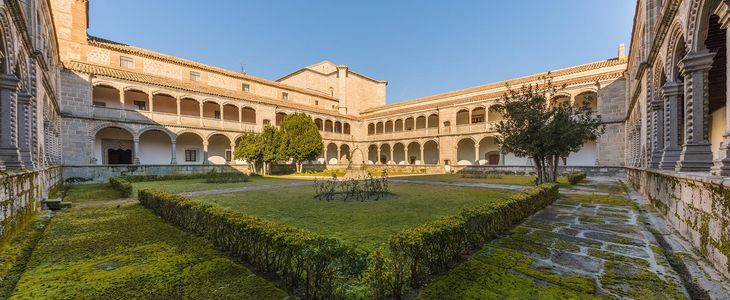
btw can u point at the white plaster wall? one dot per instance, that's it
(585, 157)
(217, 146)
(512, 160)
(189, 142)
(717, 129)
(485, 146)
(155, 148)
(465, 152)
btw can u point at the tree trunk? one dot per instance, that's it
(263, 168)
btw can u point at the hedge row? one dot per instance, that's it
(575, 177)
(417, 252)
(301, 260)
(122, 185)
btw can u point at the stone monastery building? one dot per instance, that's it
(74, 105)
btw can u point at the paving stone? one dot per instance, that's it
(577, 261)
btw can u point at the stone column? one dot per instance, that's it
(240, 119)
(672, 91)
(124, 105)
(325, 155)
(135, 154)
(339, 153)
(696, 154)
(200, 112)
(420, 148)
(377, 160)
(392, 158)
(177, 101)
(152, 103)
(24, 127)
(233, 149)
(9, 152)
(173, 161)
(221, 108)
(476, 154)
(721, 166)
(205, 152)
(657, 114)
(501, 157)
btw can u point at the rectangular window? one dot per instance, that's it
(194, 76)
(228, 155)
(217, 114)
(141, 105)
(285, 95)
(99, 104)
(246, 87)
(316, 102)
(191, 155)
(126, 62)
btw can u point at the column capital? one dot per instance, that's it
(9, 81)
(24, 98)
(673, 88)
(723, 11)
(696, 61)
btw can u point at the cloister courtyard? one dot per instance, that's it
(598, 240)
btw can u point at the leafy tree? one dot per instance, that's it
(272, 146)
(302, 138)
(249, 149)
(544, 130)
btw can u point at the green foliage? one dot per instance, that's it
(225, 177)
(544, 130)
(122, 185)
(273, 146)
(298, 258)
(302, 138)
(575, 177)
(15, 255)
(249, 148)
(430, 248)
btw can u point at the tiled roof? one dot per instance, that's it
(111, 45)
(513, 82)
(190, 86)
(375, 113)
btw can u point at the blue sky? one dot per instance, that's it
(420, 47)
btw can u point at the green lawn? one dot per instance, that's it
(506, 179)
(127, 252)
(365, 224)
(192, 185)
(83, 193)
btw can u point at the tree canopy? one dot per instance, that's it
(302, 138)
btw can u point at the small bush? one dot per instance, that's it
(122, 185)
(575, 177)
(225, 177)
(321, 267)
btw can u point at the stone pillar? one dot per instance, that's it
(233, 149)
(221, 108)
(721, 166)
(9, 152)
(420, 148)
(672, 91)
(200, 112)
(325, 155)
(696, 154)
(392, 158)
(501, 157)
(135, 153)
(377, 160)
(205, 152)
(177, 102)
(240, 119)
(339, 153)
(657, 114)
(25, 122)
(152, 103)
(173, 161)
(123, 102)
(476, 154)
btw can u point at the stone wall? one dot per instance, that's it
(697, 206)
(519, 170)
(21, 194)
(102, 173)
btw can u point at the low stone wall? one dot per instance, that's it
(21, 194)
(697, 206)
(524, 170)
(102, 173)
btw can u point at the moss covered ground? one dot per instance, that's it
(365, 224)
(126, 252)
(192, 185)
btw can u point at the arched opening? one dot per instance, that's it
(189, 148)
(430, 153)
(345, 154)
(462, 117)
(248, 115)
(560, 99)
(494, 116)
(373, 154)
(421, 122)
(219, 149)
(399, 154)
(385, 154)
(164, 103)
(371, 129)
(716, 42)
(379, 128)
(398, 127)
(136, 100)
(114, 146)
(488, 147)
(388, 126)
(280, 118)
(230, 113)
(332, 154)
(319, 123)
(155, 148)
(189, 107)
(328, 126)
(346, 128)
(587, 98)
(465, 152)
(433, 121)
(106, 96)
(414, 154)
(679, 53)
(338, 127)
(478, 115)
(211, 110)
(408, 124)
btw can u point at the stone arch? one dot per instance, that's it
(113, 144)
(219, 148)
(421, 122)
(371, 128)
(398, 125)
(94, 130)
(166, 131)
(105, 95)
(164, 102)
(698, 19)
(7, 45)
(433, 120)
(153, 147)
(331, 152)
(462, 116)
(190, 147)
(430, 152)
(589, 96)
(248, 114)
(399, 153)
(194, 132)
(413, 153)
(676, 37)
(465, 151)
(385, 150)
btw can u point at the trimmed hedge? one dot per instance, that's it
(417, 252)
(320, 267)
(575, 177)
(122, 185)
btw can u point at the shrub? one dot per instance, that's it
(122, 185)
(430, 248)
(575, 177)
(320, 267)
